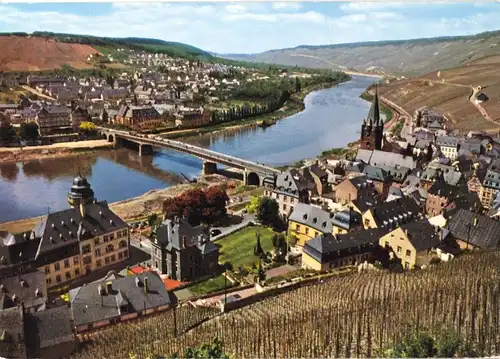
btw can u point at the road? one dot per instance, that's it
(247, 218)
(33, 91)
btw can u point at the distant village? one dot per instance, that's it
(400, 203)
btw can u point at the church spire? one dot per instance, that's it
(374, 114)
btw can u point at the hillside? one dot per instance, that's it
(21, 53)
(357, 315)
(46, 51)
(408, 57)
(449, 91)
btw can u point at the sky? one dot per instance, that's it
(252, 27)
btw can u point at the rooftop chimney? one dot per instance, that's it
(475, 221)
(108, 287)
(82, 209)
(146, 285)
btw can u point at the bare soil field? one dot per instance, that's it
(36, 53)
(449, 91)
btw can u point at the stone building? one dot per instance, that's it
(184, 252)
(372, 129)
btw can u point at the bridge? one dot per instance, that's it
(253, 173)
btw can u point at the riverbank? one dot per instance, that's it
(294, 105)
(17, 154)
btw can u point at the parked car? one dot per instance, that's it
(215, 232)
(230, 298)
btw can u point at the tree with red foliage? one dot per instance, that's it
(216, 199)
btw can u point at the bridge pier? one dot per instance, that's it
(209, 168)
(145, 150)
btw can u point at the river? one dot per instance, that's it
(331, 118)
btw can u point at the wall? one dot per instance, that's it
(301, 235)
(398, 239)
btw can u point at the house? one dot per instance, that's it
(389, 159)
(52, 120)
(49, 334)
(439, 195)
(12, 341)
(413, 242)
(449, 146)
(328, 251)
(99, 304)
(472, 230)
(138, 116)
(391, 214)
(315, 174)
(307, 221)
(345, 221)
(380, 178)
(191, 119)
(78, 115)
(351, 188)
(27, 288)
(71, 243)
(290, 188)
(434, 171)
(184, 252)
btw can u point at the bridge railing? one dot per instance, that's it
(201, 151)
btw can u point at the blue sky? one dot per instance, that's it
(249, 27)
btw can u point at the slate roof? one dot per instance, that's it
(447, 141)
(346, 219)
(422, 235)
(390, 159)
(88, 305)
(325, 247)
(292, 181)
(393, 213)
(28, 288)
(450, 175)
(172, 233)
(469, 201)
(313, 217)
(48, 327)
(442, 189)
(12, 333)
(376, 173)
(485, 234)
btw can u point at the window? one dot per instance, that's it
(97, 241)
(291, 208)
(75, 260)
(113, 258)
(57, 266)
(408, 253)
(86, 249)
(109, 248)
(105, 238)
(47, 270)
(399, 249)
(125, 254)
(48, 281)
(111, 236)
(87, 260)
(407, 265)
(99, 263)
(118, 234)
(77, 272)
(307, 230)
(120, 256)
(124, 232)
(123, 244)
(297, 227)
(156, 264)
(316, 233)
(68, 275)
(367, 222)
(58, 278)
(284, 207)
(156, 251)
(66, 263)
(285, 198)
(106, 260)
(97, 252)
(291, 199)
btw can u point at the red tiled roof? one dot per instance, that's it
(171, 283)
(138, 269)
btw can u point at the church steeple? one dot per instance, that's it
(374, 113)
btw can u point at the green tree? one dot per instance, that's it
(154, 219)
(87, 127)
(254, 204)
(205, 351)
(268, 212)
(29, 131)
(257, 250)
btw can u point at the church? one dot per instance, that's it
(372, 129)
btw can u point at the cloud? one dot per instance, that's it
(250, 27)
(286, 5)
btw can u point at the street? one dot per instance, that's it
(246, 218)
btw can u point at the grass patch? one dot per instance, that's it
(238, 247)
(210, 285)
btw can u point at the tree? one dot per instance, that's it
(29, 131)
(105, 116)
(204, 351)
(254, 204)
(154, 219)
(88, 128)
(216, 199)
(257, 250)
(268, 212)
(297, 84)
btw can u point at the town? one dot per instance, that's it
(411, 195)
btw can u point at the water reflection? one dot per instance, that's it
(331, 119)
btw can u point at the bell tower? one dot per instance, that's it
(372, 128)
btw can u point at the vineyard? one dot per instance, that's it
(353, 316)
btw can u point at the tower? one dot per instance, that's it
(81, 192)
(372, 128)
